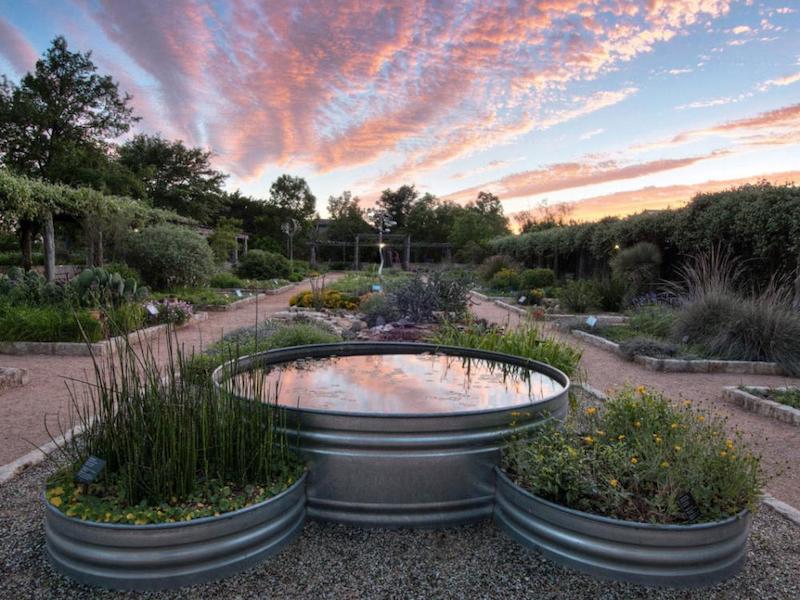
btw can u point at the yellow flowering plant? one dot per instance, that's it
(651, 452)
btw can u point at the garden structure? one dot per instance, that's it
(369, 241)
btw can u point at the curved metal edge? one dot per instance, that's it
(282, 355)
(118, 557)
(655, 555)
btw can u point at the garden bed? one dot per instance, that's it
(101, 348)
(678, 365)
(759, 399)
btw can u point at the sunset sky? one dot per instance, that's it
(563, 100)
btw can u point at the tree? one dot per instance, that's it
(347, 217)
(293, 197)
(479, 222)
(61, 107)
(398, 203)
(544, 217)
(176, 177)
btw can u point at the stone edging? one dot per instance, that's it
(271, 292)
(11, 377)
(762, 406)
(235, 305)
(601, 318)
(786, 510)
(82, 349)
(677, 365)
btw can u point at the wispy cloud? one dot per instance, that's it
(16, 49)
(590, 134)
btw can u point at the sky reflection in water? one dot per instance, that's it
(398, 383)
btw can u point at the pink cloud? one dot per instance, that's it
(17, 50)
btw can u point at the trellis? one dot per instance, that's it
(370, 240)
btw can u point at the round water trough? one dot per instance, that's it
(171, 555)
(423, 468)
(657, 555)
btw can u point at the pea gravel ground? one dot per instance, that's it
(333, 561)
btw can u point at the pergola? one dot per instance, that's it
(370, 240)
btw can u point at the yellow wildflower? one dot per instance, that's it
(591, 410)
(664, 464)
(674, 426)
(729, 444)
(658, 440)
(130, 517)
(588, 439)
(641, 389)
(614, 483)
(701, 418)
(637, 424)
(678, 448)
(621, 437)
(600, 432)
(634, 460)
(57, 491)
(687, 403)
(55, 501)
(723, 454)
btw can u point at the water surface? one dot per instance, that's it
(397, 384)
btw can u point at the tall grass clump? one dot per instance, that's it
(165, 439)
(526, 341)
(730, 322)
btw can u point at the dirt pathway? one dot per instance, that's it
(23, 409)
(778, 442)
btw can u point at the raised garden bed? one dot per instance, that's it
(678, 365)
(101, 348)
(671, 555)
(757, 399)
(171, 555)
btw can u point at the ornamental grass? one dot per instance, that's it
(634, 456)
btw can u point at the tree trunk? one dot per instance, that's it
(26, 243)
(49, 248)
(98, 249)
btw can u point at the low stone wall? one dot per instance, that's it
(678, 365)
(11, 377)
(82, 349)
(762, 406)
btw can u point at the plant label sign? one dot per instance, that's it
(591, 321)
(521, 300)
(238, 293)
(90, 470)
(376, 287)
(152, 309)
(688, 506)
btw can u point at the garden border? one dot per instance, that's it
(677, 365)
(83, 349)
(762, 406)
(606, 319)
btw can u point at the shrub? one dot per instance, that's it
(580, 295)
(496, 263)
(125, 318)
(654, 320)
(645, 346)
(418, 298)
(612, 292)
(170, 256)
(258, 264)
(536, 278)
(331, 299)
(47, 324)
(226, 280)
(632, 457)
(125, 271)
(505, 279)
(525, 341)
(199, 297)
(639, 265)
(376, 307)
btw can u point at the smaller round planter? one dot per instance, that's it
(171, 555)
(657, 555)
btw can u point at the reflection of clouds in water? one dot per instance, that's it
(404, 383)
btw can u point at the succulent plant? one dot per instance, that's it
(96, 286)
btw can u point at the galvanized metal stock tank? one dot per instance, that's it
(404, 470)
(657, 555)
(171, 555)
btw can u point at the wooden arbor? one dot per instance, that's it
(370, 240)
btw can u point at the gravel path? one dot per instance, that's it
(23, 410)
(333, 561)
(779, 443)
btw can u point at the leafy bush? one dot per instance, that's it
(496, 263)
(125, 271)
(654, 320)
(612, 292)
(14, 259)
(22, 323)
(125, 318)
(647, 346)
(170, 443)
(173, 312)
(787, 396)
(226, 280)
(199, 297)
(331, 299)
(638, 265)
(170, 256)
(580, 295)
(506, 280)
(631, 458)
(533, 297)
(418, 298)
(536, 278)
(258, 264)
(376, 307)
(526, 341)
